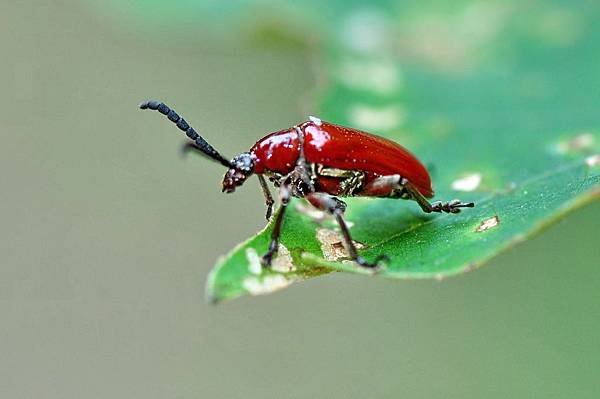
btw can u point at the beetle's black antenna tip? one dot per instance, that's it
(200, 143)
(149, 104)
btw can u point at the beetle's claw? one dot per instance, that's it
(450, 206)
(373, 266)
(455, 205)
(383, 258)
(267, 259)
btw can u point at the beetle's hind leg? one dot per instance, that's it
(337, 207)
(438, 206)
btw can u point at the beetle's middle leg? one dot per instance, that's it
(337, 207)
(284, 197)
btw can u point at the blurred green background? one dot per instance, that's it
(108, 235)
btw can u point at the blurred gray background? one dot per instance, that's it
(107, 236)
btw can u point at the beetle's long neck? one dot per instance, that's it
(185, 127)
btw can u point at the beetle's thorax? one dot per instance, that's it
(280, 157)
(277, 152)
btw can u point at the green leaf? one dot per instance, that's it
(495, 99)
(499, 99)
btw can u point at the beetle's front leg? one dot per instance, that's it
(438, 206)
(268, 197)
(337, 207)
(284, 197)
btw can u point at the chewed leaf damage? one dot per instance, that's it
(487, 224)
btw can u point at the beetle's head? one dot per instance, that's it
(242, 166)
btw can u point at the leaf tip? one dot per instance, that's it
(210, 294)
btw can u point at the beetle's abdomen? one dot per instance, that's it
(350, 149)
(277, 152)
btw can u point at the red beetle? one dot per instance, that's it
(320, 161)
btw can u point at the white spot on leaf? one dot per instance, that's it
(365, 31)
(269, 283)
(332, 246)
(593, 160)
(488, 224)
(377, 76)
(283, 262)
(254, 265)
(371, 118)
(467, 183)
(578, 143)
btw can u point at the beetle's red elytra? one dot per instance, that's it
(320, 161)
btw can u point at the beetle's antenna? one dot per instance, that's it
(200, 143)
